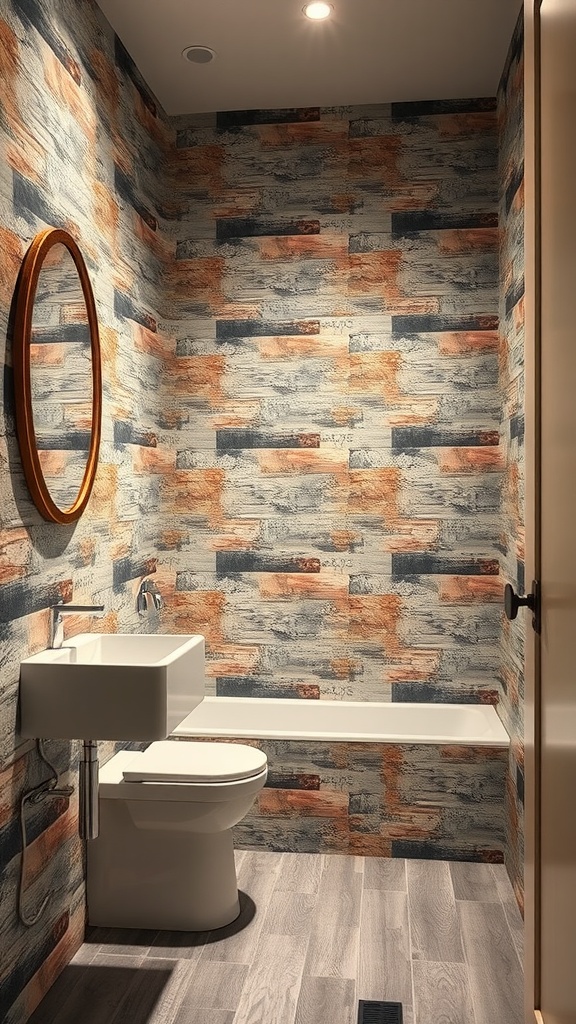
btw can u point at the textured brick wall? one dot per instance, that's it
(443, 802)
(511, 527)
(331, 520)
(81, 146)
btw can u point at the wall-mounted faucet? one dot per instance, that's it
(148, 586)
(57, 613)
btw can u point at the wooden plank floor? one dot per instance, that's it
(319, 933)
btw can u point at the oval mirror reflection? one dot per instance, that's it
(57, 376)
(61, 376)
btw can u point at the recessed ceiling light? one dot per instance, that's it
(318, 10)
(199, 54)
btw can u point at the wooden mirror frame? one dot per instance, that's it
(23, 313)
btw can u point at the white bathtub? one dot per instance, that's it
(365, 722)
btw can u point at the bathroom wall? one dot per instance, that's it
(511, 178)
(82, 145)
(331, 522)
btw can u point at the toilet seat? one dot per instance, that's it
(187, 762)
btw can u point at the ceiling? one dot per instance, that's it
(270, 56)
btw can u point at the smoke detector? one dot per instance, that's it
(199, 54)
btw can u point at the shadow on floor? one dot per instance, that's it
(246, 915)
(131, 941)
(100, 993)
(125, 980)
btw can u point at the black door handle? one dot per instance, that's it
(513, 601)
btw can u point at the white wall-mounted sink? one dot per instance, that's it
(115, 686)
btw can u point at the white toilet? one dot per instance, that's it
(164, 858)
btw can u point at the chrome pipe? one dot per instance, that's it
(88, 790)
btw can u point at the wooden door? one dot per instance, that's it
(555, 820)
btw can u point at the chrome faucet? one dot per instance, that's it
(148, 587)
(57, 613)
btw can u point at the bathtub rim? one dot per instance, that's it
(501, 740)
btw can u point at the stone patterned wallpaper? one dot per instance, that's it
(332, 483)
(511, 177)
(82, 146)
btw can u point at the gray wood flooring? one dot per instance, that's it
(320, 932)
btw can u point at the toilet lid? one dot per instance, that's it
(183, 761)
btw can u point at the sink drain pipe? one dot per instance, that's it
(88, 789)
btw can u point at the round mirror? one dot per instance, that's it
(57, 376)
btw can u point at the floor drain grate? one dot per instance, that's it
(378, 1012)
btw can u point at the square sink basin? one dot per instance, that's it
(117, 686)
